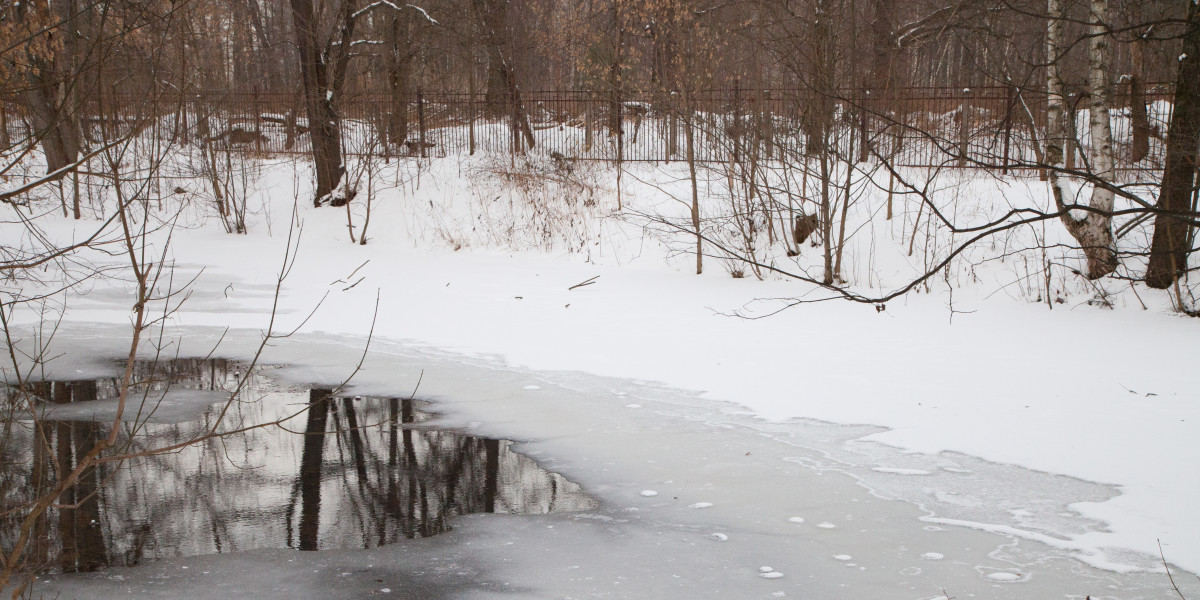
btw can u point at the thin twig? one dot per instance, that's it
(1168, 569)
(584, 283)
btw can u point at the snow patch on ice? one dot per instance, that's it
(900, 471)
(1005, 576)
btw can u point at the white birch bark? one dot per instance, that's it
(1101, 149)
(1092, 229)
(1056, 125)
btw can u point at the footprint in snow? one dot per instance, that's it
(717, 537)
(700, 505)
(796, 519)
(649, 493)
(933, 556)
(842, 557)
(827, 525)
(532, 387)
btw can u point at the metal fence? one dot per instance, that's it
(993, 127)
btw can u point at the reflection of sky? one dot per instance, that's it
(244, 491)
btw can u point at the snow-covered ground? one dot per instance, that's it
(967, 437)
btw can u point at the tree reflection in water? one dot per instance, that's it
(345, 473)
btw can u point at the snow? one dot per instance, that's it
(983, 418)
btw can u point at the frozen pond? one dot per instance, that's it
(692, 498)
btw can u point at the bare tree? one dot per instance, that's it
(1173, 226)
(1091, 227)
(44, 61)
(503, 95)
(323, 63)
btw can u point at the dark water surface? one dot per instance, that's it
(339, 473)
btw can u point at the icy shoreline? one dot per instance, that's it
(734, 493)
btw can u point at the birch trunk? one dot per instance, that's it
(1092, 229)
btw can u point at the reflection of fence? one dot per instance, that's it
(994, 127)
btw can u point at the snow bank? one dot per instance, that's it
(986, 361)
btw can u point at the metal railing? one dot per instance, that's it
(994, 127)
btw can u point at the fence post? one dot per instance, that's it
(767, 127)
(4, 145)
(964, 128)
(471, 110)
(734, 129)
(619, 105)
(258, 120)
(672, 126)
(587, 123)
(421, 121)
(290, 125)
(516, 125)
(863, 138)
(1012, 103)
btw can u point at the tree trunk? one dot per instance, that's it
(826, 214)
(399, 66)
(503, 95)
(1096, 235)
(824, 131)
(1169, 248)
(1056, 130)
(49, 93)
(53, 124)
(690, 143)
(1091, 229)
(493, 22)
(324, 129)
(1137, 105)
